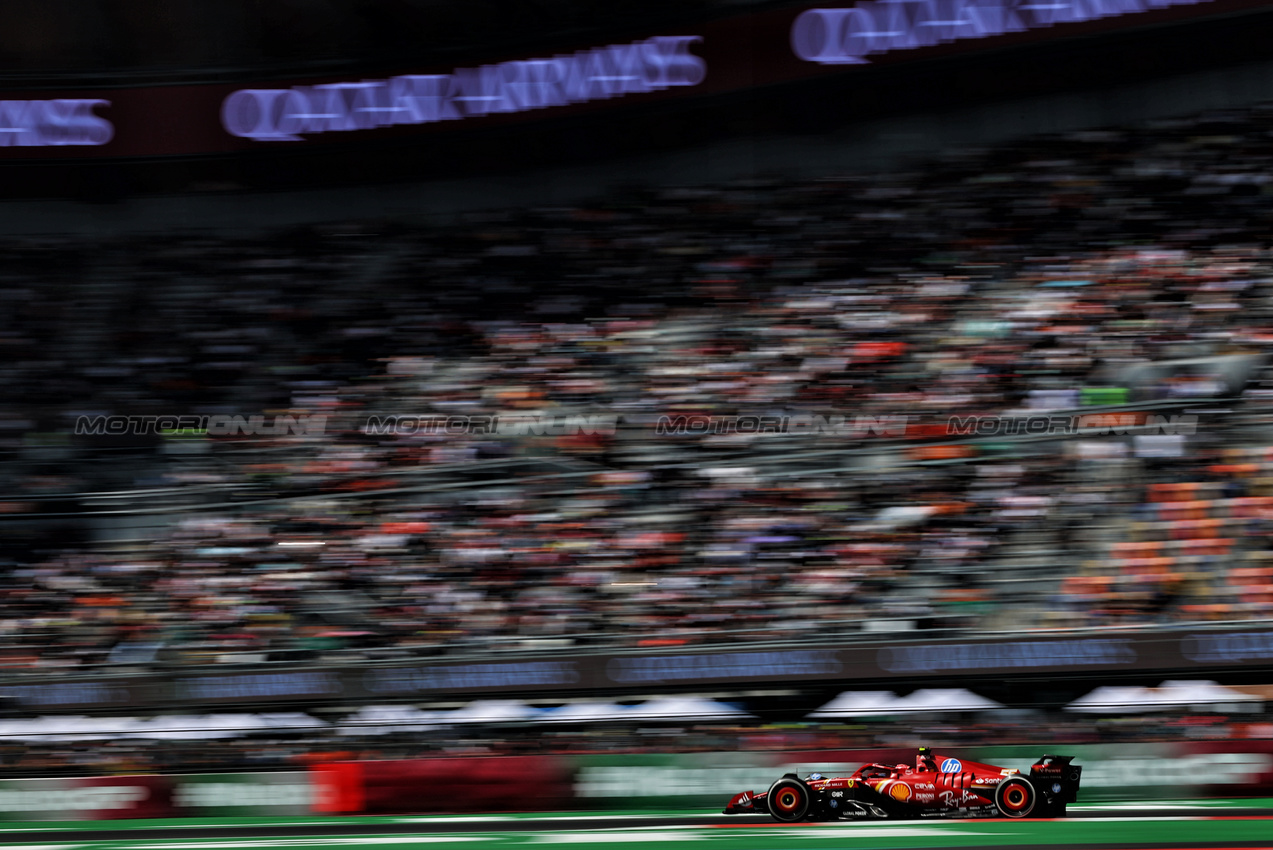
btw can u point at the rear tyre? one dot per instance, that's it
(788, 800)
(1015, 797)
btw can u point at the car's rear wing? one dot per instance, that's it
(1057, 778)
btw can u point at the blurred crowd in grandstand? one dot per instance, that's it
(1031, 278)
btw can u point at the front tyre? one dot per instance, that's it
(1015, 797)
(788, 800)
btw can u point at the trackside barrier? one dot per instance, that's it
(1220, 768)
(513, 783)
(112, 797)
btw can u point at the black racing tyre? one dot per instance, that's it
(788, 800)
(1015, 797)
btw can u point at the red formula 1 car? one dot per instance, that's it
(935, 786)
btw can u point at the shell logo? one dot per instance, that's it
(900, 792)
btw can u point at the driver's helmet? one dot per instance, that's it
(924, 759)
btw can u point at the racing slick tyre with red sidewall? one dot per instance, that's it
(1015, 797)
(788, 800)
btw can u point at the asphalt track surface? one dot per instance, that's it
(1203, 827)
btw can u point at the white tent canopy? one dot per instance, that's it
(947, 699)
(1126, 698)
(685, 708)
(877, 703)
(283, 721)
(1208, 693)
(493, 711)
(67, 728)
(586, 712)
(195, 727)
(388, 719)
(858, 704)
(1172, 694)
(171, 727)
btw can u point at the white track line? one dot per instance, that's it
(613, 837)
(311, 842)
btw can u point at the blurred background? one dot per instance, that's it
(650, 430)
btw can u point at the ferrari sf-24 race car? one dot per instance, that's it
(934, 787)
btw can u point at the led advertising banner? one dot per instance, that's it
(618, 70)
(849, 36)
(1184, 652)
(54, 123)
(721, 56)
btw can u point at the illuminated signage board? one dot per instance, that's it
(760, 51)
(848, 36)
(1058, 655)
(615, 71)
(53, 123)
